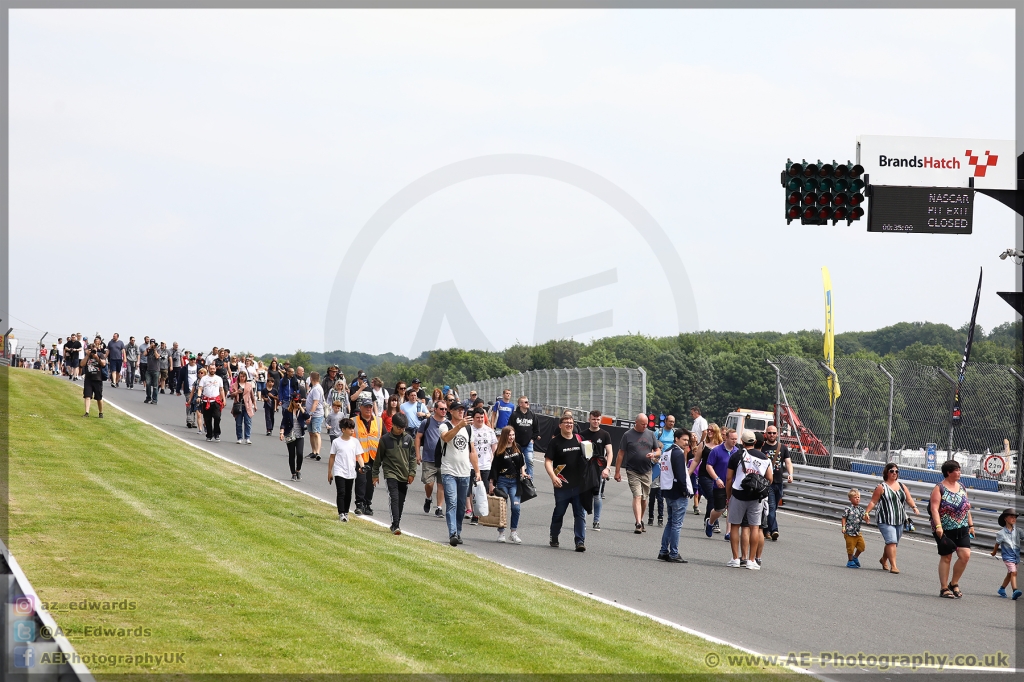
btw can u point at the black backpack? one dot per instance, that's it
(441, 447)
(753, 482)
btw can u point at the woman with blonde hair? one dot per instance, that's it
(711, 438)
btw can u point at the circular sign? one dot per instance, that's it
(994, 465)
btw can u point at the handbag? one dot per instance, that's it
(754, 483)
(527, 491)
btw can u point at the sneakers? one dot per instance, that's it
(239, 441)
(516, 540)
(650, 520)
(663, 557)
(248, 441)
(580, 547)
(316, 456)
(86, 414)
(298, 475)
(639, 528)
(426, 505)
(727, 536)
(368, 510)
(344, 518)
(101, 415)
(458, 539)
(758, 560)
(216, 439)
(717, 527)
(268, 433)
(341, 517)
(708, 528)
(438, 513)
(597, 525)
(309, 456)
(856, 561)
(643, 528)
(676, 560)
(753, 566)
(359, 510)
(775, 536)
(146, 401)
(1016, 595)
(1001, 592)
(553, 542)
(474, 521)
(396, 531)
(453, 539)
(467, 515)
(501, 535)
(294, 477)
(661, 521)
(733, 563)
(851, 564)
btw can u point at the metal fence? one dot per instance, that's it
(616, 391)
(892, 411)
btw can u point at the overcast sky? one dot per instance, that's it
(200, 175)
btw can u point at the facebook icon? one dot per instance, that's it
(24, 657)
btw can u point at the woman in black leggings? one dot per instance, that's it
(292, 433)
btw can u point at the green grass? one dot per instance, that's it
(243, 575)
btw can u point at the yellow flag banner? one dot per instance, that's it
(830, 337)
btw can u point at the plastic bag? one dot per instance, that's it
(480, 507)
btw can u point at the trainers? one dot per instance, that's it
(474, 521)
(851, 564)
(856, 561)
(553, 542)
(516, 540)
(677, 560)
(775, 536)
(86, 414)
(216, 439)
(708, 528)
(733, 563)
(101, 415)
(727, 536)
(146, 401)
(597, 525)
(438, 513)
(317, 457)
(758, 560)
(453, 539)
(753, 566)
(580, 547)
(268, 433)
(344, 518)
(663, 557)
(1001, 592)
(359, 510)
(458, 539)
(650, 521)
(239, 441)
(639, 528)
(501, 535)
(396, 531)
(293, 477)
(248, 441)
(368, 510)
(643, 528)
(1016, 595)
(718, 529)
(298, 475)
(743, 563)
(426, 506)
(467, 515)
(341, 517)
(661, 522)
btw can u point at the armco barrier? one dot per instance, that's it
(823, 492)
(23, 618)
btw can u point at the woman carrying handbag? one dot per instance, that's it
(244, 407)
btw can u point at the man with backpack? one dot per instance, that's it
(396, 455)
(455, 460)
(747, 481)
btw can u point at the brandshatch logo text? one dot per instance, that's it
(940, 163)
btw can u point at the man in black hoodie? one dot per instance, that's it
(524, 422)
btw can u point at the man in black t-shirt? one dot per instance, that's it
(94, 361)
(564, 462)
(782, 472)
(602, 442)
(72, 350)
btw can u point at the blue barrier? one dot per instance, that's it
(926, 476)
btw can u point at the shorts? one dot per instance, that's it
(1011, 566)
(316, 423)
(115, 366)
(163, 375)
(854, 543)
(749, 510)
(639, 484)
(92, 388)
(430, 474)
(956, 538)
(891, 534)
(717, 498)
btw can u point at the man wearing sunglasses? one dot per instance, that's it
(524, 422)
(782, 465)
(426, 444)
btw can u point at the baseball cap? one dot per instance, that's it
(456, 406)
(748, 437)
(365, 400)
(362, 374)
(416, 381)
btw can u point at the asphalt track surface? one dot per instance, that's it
(803, 600)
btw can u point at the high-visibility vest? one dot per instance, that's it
(368, 439)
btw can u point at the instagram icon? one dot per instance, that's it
(24, 605)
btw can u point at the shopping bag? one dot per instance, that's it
(480, 506)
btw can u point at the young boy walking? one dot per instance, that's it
(396, 454)
(346, 460)
(1008, 541)
(853, 517)
(333, 420)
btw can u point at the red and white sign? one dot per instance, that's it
(994, 465)
(938, 161)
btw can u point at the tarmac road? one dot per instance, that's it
(803, 600)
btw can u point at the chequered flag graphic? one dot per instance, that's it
(980, 168)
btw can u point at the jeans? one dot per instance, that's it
(676, 514)
(774, 495)
(511, 488)
(598, 503)
(656, 495)
(456, 488)
(152, 381)
(129, 378)
(528, 456)
(563, 498)
(243, 422)
(364, 486)
(268, 413)
(260, 386)
(396, 495)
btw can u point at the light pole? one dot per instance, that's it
(835, 382)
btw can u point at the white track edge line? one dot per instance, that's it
(675, 626)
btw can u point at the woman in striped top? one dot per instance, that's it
(950, 512)
(890, 496)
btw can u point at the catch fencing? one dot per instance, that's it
(892, 411)
(618, 392)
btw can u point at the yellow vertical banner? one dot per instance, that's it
(830, 336)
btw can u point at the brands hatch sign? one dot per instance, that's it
(938, 161)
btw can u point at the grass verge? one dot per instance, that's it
(241, 575)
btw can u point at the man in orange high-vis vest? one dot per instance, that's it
(368, 431)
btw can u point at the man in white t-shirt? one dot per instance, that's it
(380, 396)
(315, 409)
(745, 507)
(213, 398)
(458, 461)
(484, 441)
(700, 424)
(191, 373)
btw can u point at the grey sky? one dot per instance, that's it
(200, 174)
